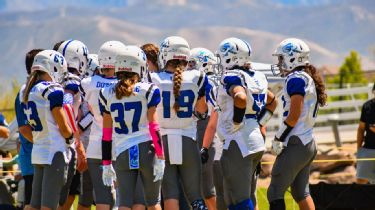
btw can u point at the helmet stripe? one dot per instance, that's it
(248, 47)
(63, 52)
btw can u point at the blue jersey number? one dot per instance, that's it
(32, 116)
(259, 102)
(185, 101)
(120, 118)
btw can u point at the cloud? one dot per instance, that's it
(33, 5)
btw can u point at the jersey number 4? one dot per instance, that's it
(32, 116)
(120, 108)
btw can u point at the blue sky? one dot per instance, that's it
(17, 5)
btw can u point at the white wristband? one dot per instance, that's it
(265, 117)
(86, 121)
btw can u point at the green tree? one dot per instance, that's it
(7, 99)
(350, 71)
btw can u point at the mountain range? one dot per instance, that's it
(330, 27)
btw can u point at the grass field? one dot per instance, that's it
(262, 201)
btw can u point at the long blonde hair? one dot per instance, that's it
(126, 83)
(179, 66)
(32, 79)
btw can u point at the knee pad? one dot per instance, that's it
(243, 205)
(199, 205)
(277, 204)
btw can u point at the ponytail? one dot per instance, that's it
(126, 83)
(319, 84)
(33, 78)
(179, 66)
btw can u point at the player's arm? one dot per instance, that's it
(208, 137)
(201, 105)
(153, 125)
(56, 99)
(26, 132)
(362, 127)
(238, 94)
(107, 139)
(234, 86)
(209, 134)
(296, 91)
(107, 130)
(360, 134)
(271, 103)
(296, 105)
(23, 126)
(4, 130)
(266, 114)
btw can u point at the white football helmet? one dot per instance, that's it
(51, 62)
(92, 65)
(131, 59)
(234, 52)
(291, 53)
(108, 52)
(204, 60)
(75, 53)
(173, 47)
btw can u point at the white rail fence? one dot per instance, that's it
(328, 129)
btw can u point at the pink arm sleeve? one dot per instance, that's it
(107, 146)
(156, 137)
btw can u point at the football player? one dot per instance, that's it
(51, 134)
(183, 92)
(303, 93)
(129, 119)
(90, 88)
(244, 103)
(75, 53)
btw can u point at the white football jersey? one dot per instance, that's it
(90, 88)
(194, 83)
(129, 114)
(84, 137)
(43, 97)
(211, 95)
(248, 138)
(299, 82)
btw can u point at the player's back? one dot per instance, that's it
(192, 85)
(129, 114)
(43, 97)
(90, 88)
(255, 85)
(299, 82)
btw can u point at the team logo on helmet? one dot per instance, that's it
(203, 57)
(143, 55)
(164, 44)
(290, 48)
(227, 48)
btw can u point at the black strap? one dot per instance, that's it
(200, 79)
(149, 91)
(106, 150)
(102, 97)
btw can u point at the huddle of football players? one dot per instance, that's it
(164, 126)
